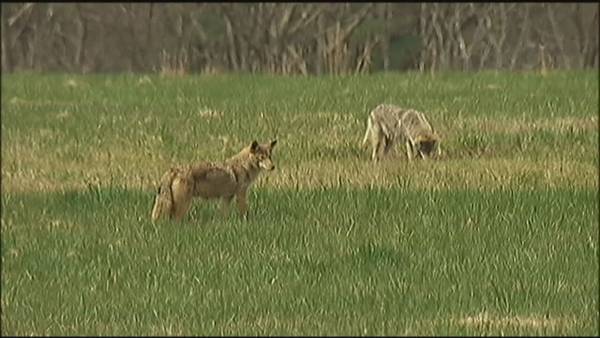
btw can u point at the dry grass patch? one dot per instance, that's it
(484, 320)
(479, 174)
(516, 126)
(139, 171)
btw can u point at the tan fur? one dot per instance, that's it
(389, 123)
(208, 180)
(420, 138)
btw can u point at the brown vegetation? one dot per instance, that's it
(297, 38)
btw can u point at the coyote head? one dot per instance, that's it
(428, 144)
(262, 153)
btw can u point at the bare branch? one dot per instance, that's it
(25, 9)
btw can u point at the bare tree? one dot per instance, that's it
(295, 38)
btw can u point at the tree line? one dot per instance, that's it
(297, 38)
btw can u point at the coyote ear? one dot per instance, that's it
(273, 143)
(253, 146)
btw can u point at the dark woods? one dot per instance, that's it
(297, 38)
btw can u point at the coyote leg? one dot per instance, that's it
(182, 198)
(242, 203)
(225, 207)
(409, 153)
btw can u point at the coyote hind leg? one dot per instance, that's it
(182, 198)
(409, 151)
(378, 143)
(368, 132)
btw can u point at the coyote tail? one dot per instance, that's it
(163, 203)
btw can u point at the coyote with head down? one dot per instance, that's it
(210, 180)
(388, 124)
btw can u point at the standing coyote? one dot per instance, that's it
(387, 123)
(211, 180)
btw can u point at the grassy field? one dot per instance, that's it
(499, 236)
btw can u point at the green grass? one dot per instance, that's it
(500, 236)
(338, 261)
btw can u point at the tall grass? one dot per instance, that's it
(500, 236)
(335, 261)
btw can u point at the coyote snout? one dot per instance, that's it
(266, 163)
(209, 180)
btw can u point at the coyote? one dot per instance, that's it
(388, 123)
(211, 180)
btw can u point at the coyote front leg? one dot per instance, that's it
(242, 203)
(225, 206)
